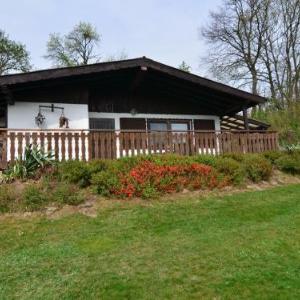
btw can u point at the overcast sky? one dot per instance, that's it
(164, 30)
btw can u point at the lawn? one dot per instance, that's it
(241, 246)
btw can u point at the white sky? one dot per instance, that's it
(163, 30)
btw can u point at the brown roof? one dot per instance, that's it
(125, 64)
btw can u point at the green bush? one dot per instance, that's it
(239, 157)
(209, 160)
(105, 182)
(289, 163)
(34, 198)
(95, 166)
(80, 172)
(75, 171)
(149, 192)
(231, 169)
(272, 156)
(257, 167)
(285, 121)
(167, 159)
(67, 194)
(125, 164)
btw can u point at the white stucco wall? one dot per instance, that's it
(117, 117)
(22, 115)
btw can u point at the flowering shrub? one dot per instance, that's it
(148, 179)
(154, 175)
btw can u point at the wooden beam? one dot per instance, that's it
(237, 123)
(251, 121)
(245, 116)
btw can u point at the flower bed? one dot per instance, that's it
(72, 182)
(151, 176)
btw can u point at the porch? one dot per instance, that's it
(109, 144)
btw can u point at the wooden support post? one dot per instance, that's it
(246, 120)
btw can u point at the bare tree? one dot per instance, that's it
(235, 35)
(280, 59)
(256, 43)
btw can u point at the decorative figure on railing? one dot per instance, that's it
(63, 121)
(40, 119)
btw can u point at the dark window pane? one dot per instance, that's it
(2, 116)
(204, 124)
(100, 123)
(133, 124)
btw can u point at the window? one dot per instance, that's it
(133, 124)
(164, 125)
(101, 123)
(173, 126)
(158, 126)
(204, 124)
(179, 127)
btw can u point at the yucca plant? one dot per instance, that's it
(291, 148)
(33, 159)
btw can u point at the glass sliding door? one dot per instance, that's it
(157, 133)
(158, 126)
(179, 132)
(179, 127)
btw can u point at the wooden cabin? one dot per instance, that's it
(122, 108)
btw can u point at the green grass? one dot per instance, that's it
(235, 247)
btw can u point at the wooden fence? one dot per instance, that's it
(93, 144)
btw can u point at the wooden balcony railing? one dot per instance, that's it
(96, 144)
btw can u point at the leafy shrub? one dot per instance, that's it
(167, 159)
(75, 171)
(99, 165)
(239, 157)
(80, 172)
(147, 179)
(285, 121)
(289, 163)
(209, 160)
(27, 166)
(149, 192)
(105, 183)
(231, 169)
(272, 156)
(125, 164)
(257, 167)
(67, 194)
(34, 198)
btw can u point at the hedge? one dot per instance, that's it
(150, 176)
